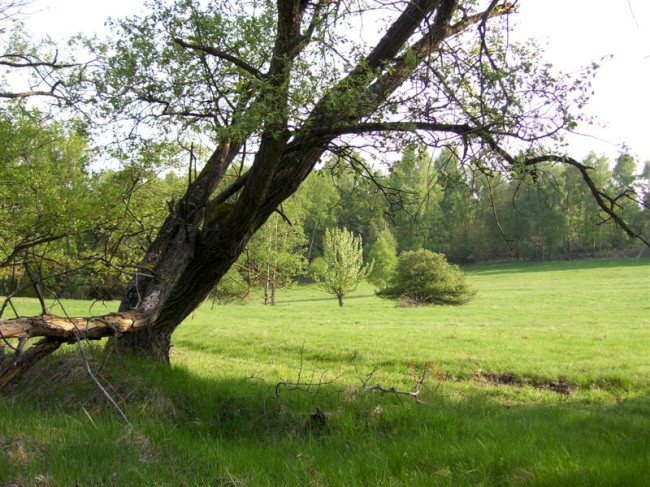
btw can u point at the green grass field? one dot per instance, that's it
(543, 379)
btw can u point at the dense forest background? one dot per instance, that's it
(93, 219)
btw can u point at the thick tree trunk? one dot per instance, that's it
(168, 301)
(147, 342)
(189, 257)
(266, 292)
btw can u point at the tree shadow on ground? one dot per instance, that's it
(568, 265)
(202, 430)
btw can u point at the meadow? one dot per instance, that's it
(542, 379)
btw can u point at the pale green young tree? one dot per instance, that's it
(343, 254)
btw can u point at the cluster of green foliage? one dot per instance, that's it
(64, 212)
(232, 288)
(383, 255)
(74, 228)
(103, 219)
(423, 277)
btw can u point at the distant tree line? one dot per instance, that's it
(436, 203)
(85, 226)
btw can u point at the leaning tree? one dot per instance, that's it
(274, 86)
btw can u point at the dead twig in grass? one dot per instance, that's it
(311, 385)
(391, 390)
(99, 386)
(92, 375)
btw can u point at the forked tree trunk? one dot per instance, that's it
(184, 276)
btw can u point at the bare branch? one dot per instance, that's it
(68, 329)
(222, 55)
(27, 94)
(11, 369)
(312, 386)
(98, 384)
(24, 61)
(392, 390)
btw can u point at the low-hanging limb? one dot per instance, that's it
(11, 368)
(55, 331)
(606, 203)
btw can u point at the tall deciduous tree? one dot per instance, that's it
(278, 85)
(343, 255)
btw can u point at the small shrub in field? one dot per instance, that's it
(424, 277)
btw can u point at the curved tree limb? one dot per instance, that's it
(607, 203)
(240, 63)
(11, 369)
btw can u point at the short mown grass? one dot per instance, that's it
(543, 379)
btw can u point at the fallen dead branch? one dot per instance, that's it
(391, 390)
(55, 331)
(68, 329)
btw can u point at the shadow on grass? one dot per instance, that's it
(190, 430)
(288, 299)
(569, 265)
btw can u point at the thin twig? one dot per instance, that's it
(392, 390)
(99, 386)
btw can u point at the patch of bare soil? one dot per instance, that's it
(561, 386)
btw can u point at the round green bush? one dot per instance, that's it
(423, 277)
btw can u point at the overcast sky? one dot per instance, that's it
(574, 33)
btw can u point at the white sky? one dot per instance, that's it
(574, 32)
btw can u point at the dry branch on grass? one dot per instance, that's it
(312, 386)
(68, 329)
(391, 390)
